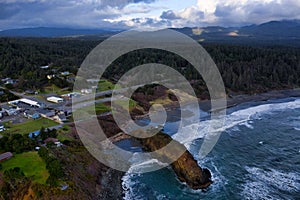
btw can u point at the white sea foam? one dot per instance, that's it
(262, 183)
(242, 117)
(255, 189)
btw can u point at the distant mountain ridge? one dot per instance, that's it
(54, 32)
(273, 32)
(286, 32)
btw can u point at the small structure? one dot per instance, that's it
(32, 114)
(60, 117)
(64, 187)
(44, 67)
(58, 144)
(50, 76)
(46, 113)
(34, 134)
(86, 91)
(8, 81)
(37, 148)
(9, 110)
(31, 92)
(55, 99)
(70, 95)
(2, 127)
(66, 73)
(5, 156)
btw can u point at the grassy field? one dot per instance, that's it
(132, 104)
(54, 89)
(31, 164)
(105, 85)
(29, 126)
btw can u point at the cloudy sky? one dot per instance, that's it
(123, 14)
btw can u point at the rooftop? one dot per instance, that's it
(5, 155)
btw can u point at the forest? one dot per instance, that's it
(244, 68)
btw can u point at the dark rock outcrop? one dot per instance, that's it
(186, 167)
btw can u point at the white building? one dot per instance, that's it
(55, 99)
(26, 101)
(86, 91)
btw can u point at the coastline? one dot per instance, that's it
(231, 102)
(245, 98)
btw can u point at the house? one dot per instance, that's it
(55, 99)
(9, 110)
(7, 81)
(34, 134)
(86, 91)
(44, 67)
(66, 73)
(46, 113)
(50, 76)
(2, 127)
(5, 156)
(60, 117)
(32, 114)
(31, 92)
(70, 95)
(58, 144)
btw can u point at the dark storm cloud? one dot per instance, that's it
(84, 13)
(169, 15)
(7, 11)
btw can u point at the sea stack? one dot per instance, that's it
(186, 167)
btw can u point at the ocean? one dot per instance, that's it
(256, 157)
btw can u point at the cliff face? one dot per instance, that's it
(186, 167)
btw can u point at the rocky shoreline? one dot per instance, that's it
(115, 177)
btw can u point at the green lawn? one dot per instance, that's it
(29, 126)
(99, 108)
(31, 164)
(105, 85)
(50, 89)
(123, 103)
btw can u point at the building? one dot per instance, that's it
(2, 127)
(34, 134)
(86, 91)
(9, 110)
(31, 92)
(44, 67)
(46, 113)
(70, 95)
(55, 99)
(5, 156)
(32, 114)
(66, 73)
(60, 118)
(29, 102)
(7, 81)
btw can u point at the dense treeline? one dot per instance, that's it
(17, 143)
(243, 68)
